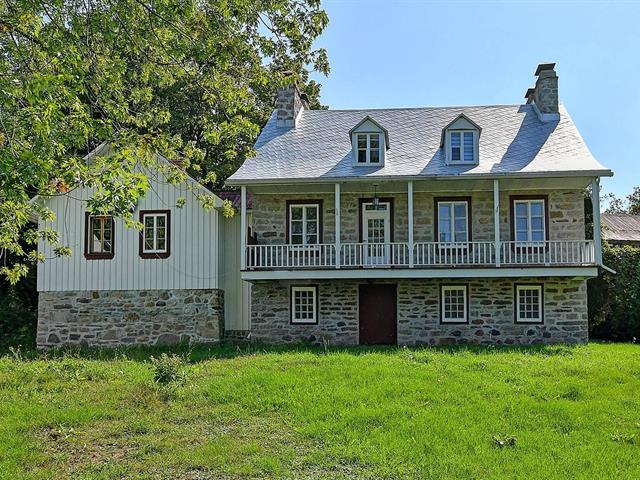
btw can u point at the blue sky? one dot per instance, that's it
(425, 53)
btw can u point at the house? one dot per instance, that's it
(409, 226)
(177, 280)
(621, 228)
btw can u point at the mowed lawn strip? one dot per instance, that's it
(302, 412)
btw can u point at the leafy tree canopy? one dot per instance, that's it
(192, 80)
(630, 204)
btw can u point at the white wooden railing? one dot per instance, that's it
(374, 255)
(455, 253)
(550, 252)
(425, 255)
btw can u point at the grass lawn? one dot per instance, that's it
(468, 413)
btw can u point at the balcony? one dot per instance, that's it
(423, 255)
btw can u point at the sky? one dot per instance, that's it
(447, 53)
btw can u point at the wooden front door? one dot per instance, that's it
(377, 312)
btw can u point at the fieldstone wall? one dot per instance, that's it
(566, 215)
(491, 313)
(146, 317)
(337, 322)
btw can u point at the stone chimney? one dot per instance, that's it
(289, 103)
(545, 94)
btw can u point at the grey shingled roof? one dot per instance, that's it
(621, 227)
(513, 141)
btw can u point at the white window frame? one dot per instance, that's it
(528, 202)
(155, 248)
(452, 217)
(304, 220)
(458, 288)
(540, 289)
(304, 321)
(368, 148)
(474, 147)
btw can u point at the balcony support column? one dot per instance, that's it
(496, 220)
(595, 202)
(410, 220)
(337, 220)
(243, 227)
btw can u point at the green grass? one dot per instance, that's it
(468, 413)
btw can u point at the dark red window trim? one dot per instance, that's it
(436, 225)
(87, 233)
(317, 202)
(151, 255)
(317, 297)
(361, 202)
(512, 213)
(515, 303)
(467, 300)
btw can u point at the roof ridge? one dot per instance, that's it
(416, 108)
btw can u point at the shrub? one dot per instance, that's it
(614, 299)
(168, 369)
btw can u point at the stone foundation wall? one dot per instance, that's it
(146, 317)
(491, 313)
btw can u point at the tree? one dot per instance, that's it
(192, 80)
(630, 204)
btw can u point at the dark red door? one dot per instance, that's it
(377, 314)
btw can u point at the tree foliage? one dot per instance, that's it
(191, 80)
(614, 299)
(630, 204)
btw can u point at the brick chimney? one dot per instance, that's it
(289, 103)
(545, 94)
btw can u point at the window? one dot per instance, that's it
(99, 237)
(529, 304)
(155, 236)
(454, 304)
(462, 147)
(529, 220)
(368, 148)
(305, 222)
(452, 220)
(304, 305)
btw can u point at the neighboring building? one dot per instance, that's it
(176, 281)
(420, 225)
(621, 228)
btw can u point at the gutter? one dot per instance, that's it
(610, 270)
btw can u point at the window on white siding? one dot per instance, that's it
(529, 220)
(99, 237)
(304, 224)
(368, 148)
(462, 147)
(154, 233)
(453, 221)
(454, 303)
(304, 304)
(529, 304)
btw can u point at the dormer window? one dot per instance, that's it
(368, 148)
(462, 147)
(460, 141)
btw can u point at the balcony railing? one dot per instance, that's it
(425, 255)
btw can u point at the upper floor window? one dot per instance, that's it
(304, 223)
(368, 148)
(453, 221)
(155, 235)
(99, 237)
(462, 147)
(529, 220)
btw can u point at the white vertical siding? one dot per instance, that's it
(193, 262)
(236, 292)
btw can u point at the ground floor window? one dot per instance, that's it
(454, 303)
(529, 306)
(304, 304)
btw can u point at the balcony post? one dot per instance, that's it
(243, 227)
(496, 220)
(595, 202)
(337, 220)
(410, 220)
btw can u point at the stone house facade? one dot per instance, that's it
(420, 226)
